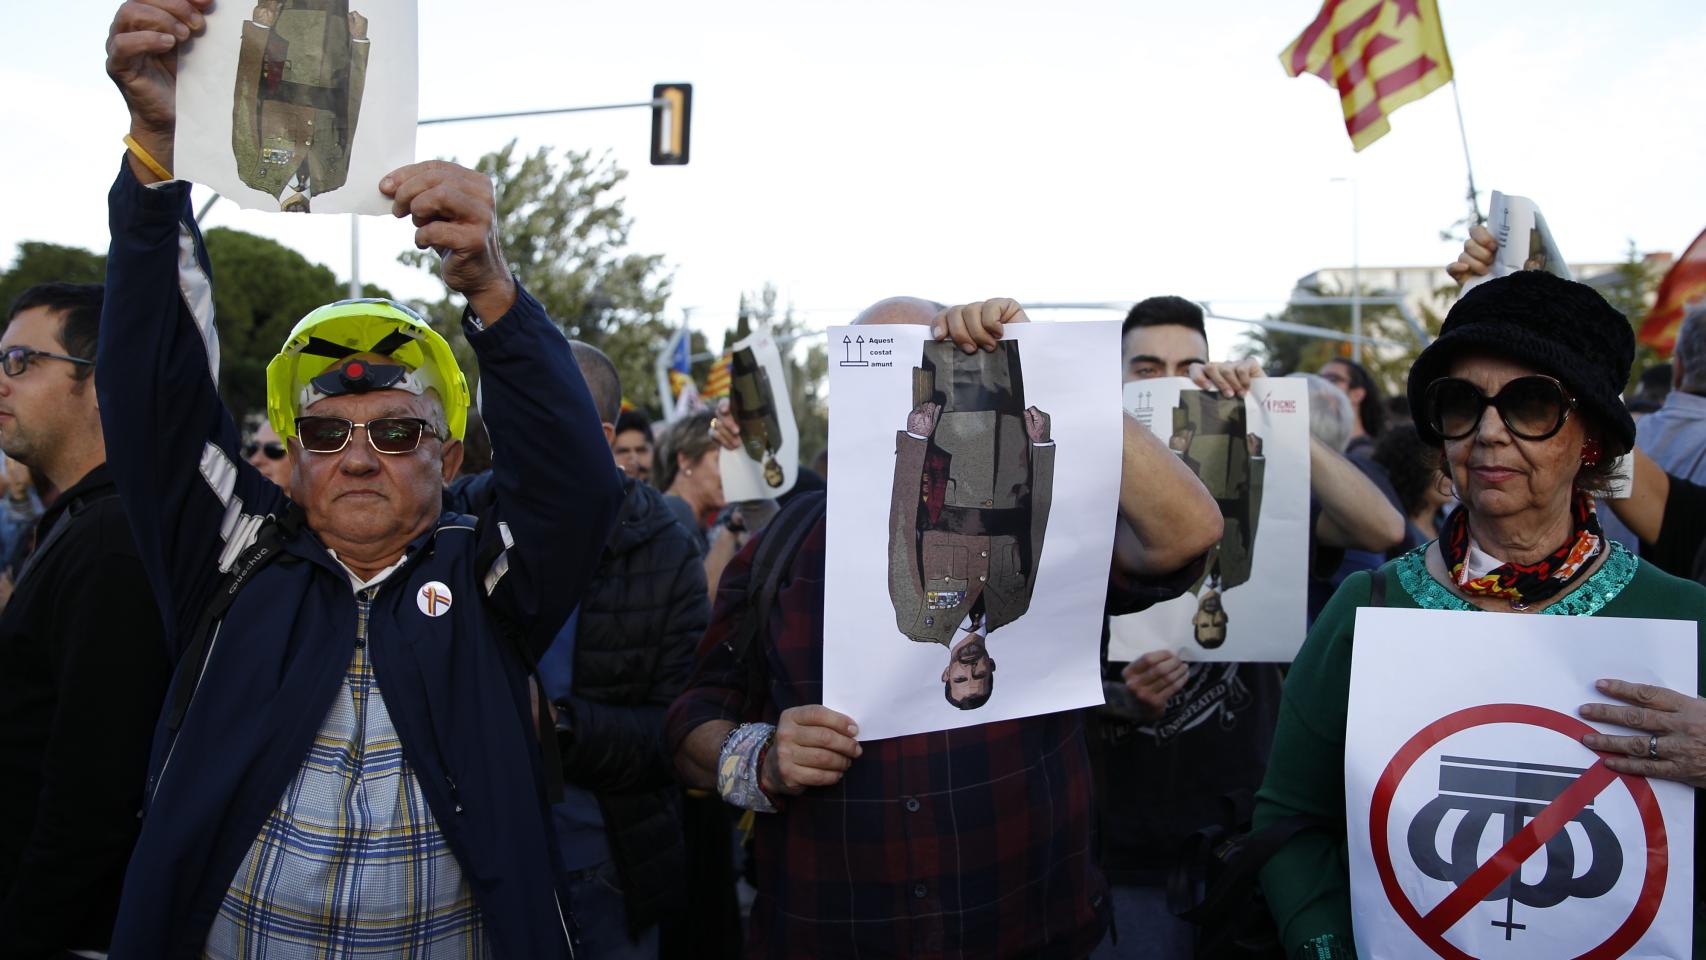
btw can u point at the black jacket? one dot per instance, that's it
(640, 622)
(83, 669)
(641, 618)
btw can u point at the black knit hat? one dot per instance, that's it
(1558, 327)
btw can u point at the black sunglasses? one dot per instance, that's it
(274, 450)
(1532, 408)
(392, 435)
(17, 359)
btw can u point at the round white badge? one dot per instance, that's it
(433, 599)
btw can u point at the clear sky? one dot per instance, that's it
(1080, 150)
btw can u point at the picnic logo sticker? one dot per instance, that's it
(433, 599)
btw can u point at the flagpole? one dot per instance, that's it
(1463, 133)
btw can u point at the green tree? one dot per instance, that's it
(1285, 352)
(261, 288)
(1282, 351)
(807, 370)
(565, 233)
(40, 262)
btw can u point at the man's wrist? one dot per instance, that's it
(741, 767)
(491, 303)
(157, 145)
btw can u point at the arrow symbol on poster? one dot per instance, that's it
(847, 344)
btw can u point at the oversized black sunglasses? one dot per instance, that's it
(274, 450)
(16, 360)
(1533, 408)
(392, 435)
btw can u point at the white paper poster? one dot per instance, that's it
(1253, 456)
(1524, 241)
(299, 105)
(767, 462)
(971, 524)
(1479, 825)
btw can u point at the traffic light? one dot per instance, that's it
(671, 122)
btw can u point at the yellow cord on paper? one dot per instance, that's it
(148, 161)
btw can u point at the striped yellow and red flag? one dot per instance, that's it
(1684, 284)
(1379, 55)
(717, 381)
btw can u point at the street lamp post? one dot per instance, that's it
(1356, 269)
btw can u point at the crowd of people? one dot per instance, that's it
(397, 668)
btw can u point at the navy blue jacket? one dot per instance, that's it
(454, 684)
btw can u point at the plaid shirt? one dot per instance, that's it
(972, 843)
(350, 863)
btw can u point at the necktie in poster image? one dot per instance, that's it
(988, 559)
(299, 106)
(1479, 824)
(1252, 455)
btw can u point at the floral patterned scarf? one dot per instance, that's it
(1523, 584)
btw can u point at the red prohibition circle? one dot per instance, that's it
(1652, 822)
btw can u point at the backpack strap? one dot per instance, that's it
(268, 545)
(1377, 587)
(778, 544)
(1232, 888)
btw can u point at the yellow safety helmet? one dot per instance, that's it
(349, 327)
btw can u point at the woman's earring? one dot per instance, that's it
(1591, 452)
(688, 472)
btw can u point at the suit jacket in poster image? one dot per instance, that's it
(971, 495)
(1210, 435)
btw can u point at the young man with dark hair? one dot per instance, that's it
(633, 445)
(1181, 742)
(1162, 337)
(83, 664)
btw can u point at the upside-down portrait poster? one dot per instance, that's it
(1252, 454)
(767, 461)
(299, 106)
(971, 524)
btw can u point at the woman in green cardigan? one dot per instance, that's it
(1520, 393)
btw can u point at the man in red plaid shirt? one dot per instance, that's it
(973, 842)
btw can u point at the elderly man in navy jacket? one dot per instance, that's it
(349, 754)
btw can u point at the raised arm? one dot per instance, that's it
(1643, 511)
(1354, 513)
(556, 490)
(192, 501)
(1167, 517)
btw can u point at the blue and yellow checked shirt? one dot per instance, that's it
(350, 863)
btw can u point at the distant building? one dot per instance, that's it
(1429, 288)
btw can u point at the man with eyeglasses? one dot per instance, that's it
(83, 665)
(349, 759)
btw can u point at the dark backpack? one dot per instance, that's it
(1215, 885)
